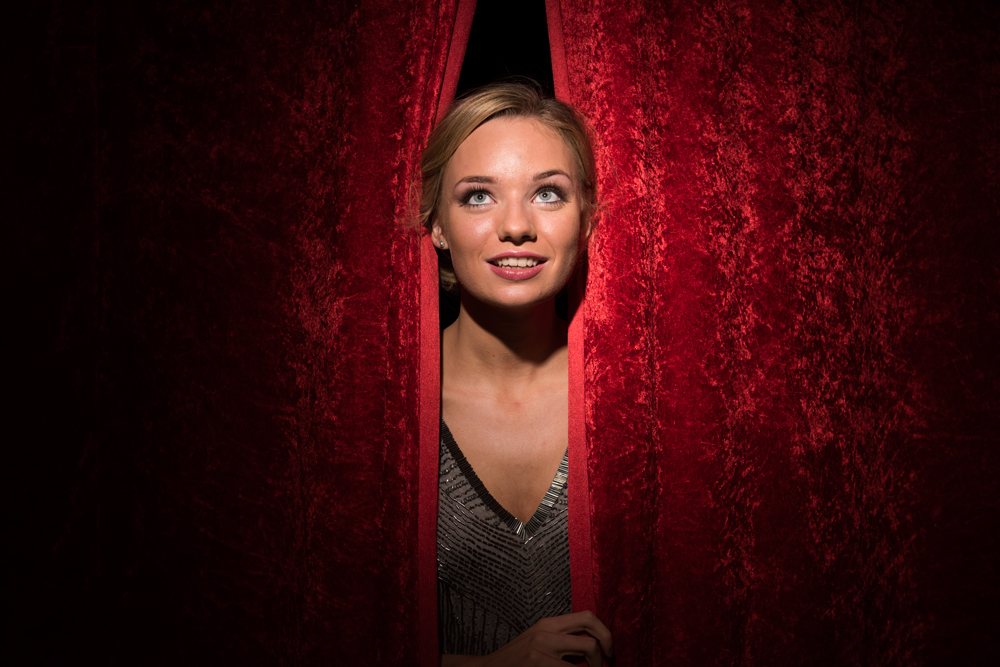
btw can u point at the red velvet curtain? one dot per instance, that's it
(791, 328)
(238, 316)
(262, 326)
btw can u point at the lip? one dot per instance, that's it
(517, 253)
(516, 274)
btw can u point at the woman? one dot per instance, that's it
(508, 198)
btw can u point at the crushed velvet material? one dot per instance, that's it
(430, 379)
(792, 319)
(261, 327)
(247, 488)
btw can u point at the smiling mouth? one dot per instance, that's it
(516, 262)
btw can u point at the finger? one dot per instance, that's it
(586, 647)
(583, 621)
(559, 645)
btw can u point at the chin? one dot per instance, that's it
(518, 299)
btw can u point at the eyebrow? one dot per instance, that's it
(552, 172)
(477, 179)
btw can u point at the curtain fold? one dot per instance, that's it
(430, 378)
(258, 456)
(792, 400)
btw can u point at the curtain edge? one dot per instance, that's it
(580, 546)
(430, 382)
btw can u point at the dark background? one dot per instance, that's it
(507, 39)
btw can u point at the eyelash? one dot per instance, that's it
(467, 197)
(554, 189)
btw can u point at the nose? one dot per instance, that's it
(516, 224)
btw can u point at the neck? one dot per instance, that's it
(503, 344)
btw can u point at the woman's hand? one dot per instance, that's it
(546, 643)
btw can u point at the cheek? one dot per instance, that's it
(465, 241)
(470, 234)
(571, 234)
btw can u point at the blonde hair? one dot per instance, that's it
(505, 99)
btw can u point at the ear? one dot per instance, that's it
(437, 235)
(586, 228)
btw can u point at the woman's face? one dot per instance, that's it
(510, 213)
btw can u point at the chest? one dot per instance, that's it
(496, 577)
(515, 445)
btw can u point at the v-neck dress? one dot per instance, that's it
(496, 576)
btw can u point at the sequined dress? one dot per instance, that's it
(496, 575)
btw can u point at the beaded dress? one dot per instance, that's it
(496, 576)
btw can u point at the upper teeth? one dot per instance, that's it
(519, 262)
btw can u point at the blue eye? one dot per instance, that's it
(478, 198)
(549, 196)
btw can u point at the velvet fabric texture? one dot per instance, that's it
(792, 320)
(790, 386)
(246, 492)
